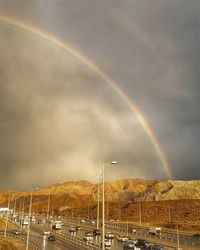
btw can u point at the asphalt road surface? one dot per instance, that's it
(42, 242)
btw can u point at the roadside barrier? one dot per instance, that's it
(72, 239)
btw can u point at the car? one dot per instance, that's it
(89, 233)
(82, 221)
(15, 232)
(158, 247)
(72, 229)
(130, 245)
(132, 230)
(107, 243)
(96, 232)
(109, 235)
(131, 239)
(46, 232)
(121, 238)
(51, 238)
(143, 243)
(40, 222)
(87, 238)
(196, 236)
(78, 228)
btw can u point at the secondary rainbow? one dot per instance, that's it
(76, 53)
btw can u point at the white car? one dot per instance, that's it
(121, 238)
(46, 232)
(87, 238)
(107, 243)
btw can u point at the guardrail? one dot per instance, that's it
(23, 238)
(79, 241)
(166, 235)
(71, 238)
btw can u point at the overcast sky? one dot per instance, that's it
(59, 120)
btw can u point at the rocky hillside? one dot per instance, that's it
(80, 193)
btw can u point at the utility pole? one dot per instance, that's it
(119, 210)
(140, 213)
(88, 213)
(107, 211)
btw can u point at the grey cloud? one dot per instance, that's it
(151, 48)
(57, 115)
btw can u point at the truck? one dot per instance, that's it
(56, 225)
(154, 231)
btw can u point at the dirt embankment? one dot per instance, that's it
(9, 243)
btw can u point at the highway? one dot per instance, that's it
(116, 245)
(74, 241)
(168, 237)
(37, 237)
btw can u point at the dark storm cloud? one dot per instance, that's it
(150, 47)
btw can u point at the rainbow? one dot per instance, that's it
(77, 54)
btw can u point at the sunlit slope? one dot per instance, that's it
(124, 190)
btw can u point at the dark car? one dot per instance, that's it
(109, 235)
(129, 245)
(72, 229)
(196, 236)
(96, 232)
(143, 243)
(15, 232)
(51, 238)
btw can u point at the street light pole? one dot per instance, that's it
(5, 231)
(140, 213)
(103, 205)
(48, 207)
(29, 217)
(103, 219)
(22, 213)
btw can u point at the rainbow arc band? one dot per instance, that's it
(78, 55)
